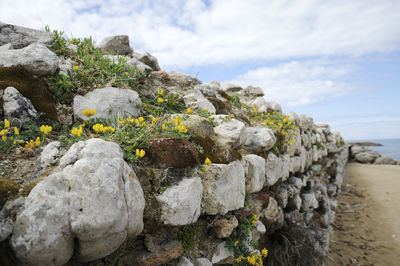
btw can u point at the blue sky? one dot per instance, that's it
(337, 60)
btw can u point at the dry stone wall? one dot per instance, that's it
(93, 207)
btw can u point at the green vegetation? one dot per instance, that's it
(189, 236)
(235, 101)
(91, 69)
(8, 190)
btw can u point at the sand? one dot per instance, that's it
(367, 225)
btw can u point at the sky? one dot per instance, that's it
(336, 60)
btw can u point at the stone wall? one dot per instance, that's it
(256, 185)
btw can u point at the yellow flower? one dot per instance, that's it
(160, 92)
(264, 252)
(98, 127)
(76, 68)
(6, 123)
(189, 111)
(207, 161)
(77, 131)
(254, 218)
(238, 259)
(236, 242)
(16, 131)
(292, 141)
(45, 129)
(182, 128)
(126, 74)
(164, 127)
(4, 138)
(289, 122)
(89, 112)
(140, 153)
(37, 142)
(252, 260)
(160, 100)
(3, 132)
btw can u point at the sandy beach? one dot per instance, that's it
(367, 225)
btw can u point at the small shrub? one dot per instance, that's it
(189, 236)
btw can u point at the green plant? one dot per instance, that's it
(235, 101)
(189, 236)
(319, 145)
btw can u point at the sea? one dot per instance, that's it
(391, 147)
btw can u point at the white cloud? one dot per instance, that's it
(185, 33)
(299, 83)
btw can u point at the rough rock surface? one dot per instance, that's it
(173, 152)
(277, 168)
(259, 139)
(366, 156)
(197, 101)
(17, 106)
(223, 188)
(49, 153)
(108, 102)
(223, 227)
(118, 44)
(148, 60)
(19, 37)
(254, 168)
(35, 58)
(94, 197)
(222, 255)
(232, 132)
(180, 204)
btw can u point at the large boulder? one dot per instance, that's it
(118, 44)
(180, 204)
(277, 168)
(230, 131)
(35, 58)
(385, 160)
(367, 156)
(19, 37)
(196, 101)
(259, 139)
(223, 188)
(93, 198)
(108, 102)
(17, 106)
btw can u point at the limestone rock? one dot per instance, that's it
(148, 60)
(309, 202)
(184, 262)
(366, 156)
(274, 107)
(202, 262)
(230, 88)
(306, 122)
(356, 149)
(252, 92)
(199, 126)
(94, 197)
(259, 139)
(196, 101)
(277, 168)
(108, 102)
(222, 255)
(385, 160)
(35, 58)
(19, 37)
(232, 132)
(173, 152)
(180, 204)
(206, 90)
(17, 106)
(254, 167)
(223, 227)
(272, 215)
(118, 44)
(260, 104)
(223, 188)
(184, 79)
(49, 153)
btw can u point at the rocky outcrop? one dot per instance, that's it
(360, 154)
(19, 37)
(17, 106)
(94, 198)
(118, 44)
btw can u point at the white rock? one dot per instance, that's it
(16, 106)
(180, 204)
(109, 103)
(259, 139)
(36, 58)
(231, 132)
(306, 122)
(252, 92)
(118, 44)
(385, 160)
(260, 227)
(222, 255)
(206, 90)
(277, 168)
(184, 262)
(254, 168)
(260, 104)
(223, 188)
(49, 153)
(184, 78)
(230, 88)
(367, 156)
(19, 37)
(295, 147)
(309, 202)
(94, 198)
(196, 101)
(202, 262)
(274, 106)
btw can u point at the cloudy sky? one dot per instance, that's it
(337, 60)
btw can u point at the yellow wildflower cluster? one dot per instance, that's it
(45, 129)
(254, 259)
(160, 94)
(189, 111)
(254, 219)
(207, 161)
(32, 144)
(77, 131)
(89, 112)
(101, 128)
(255, 111)
(179, 126)
(6, 123)
(140, 153)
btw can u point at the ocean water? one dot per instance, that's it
(391, 147)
